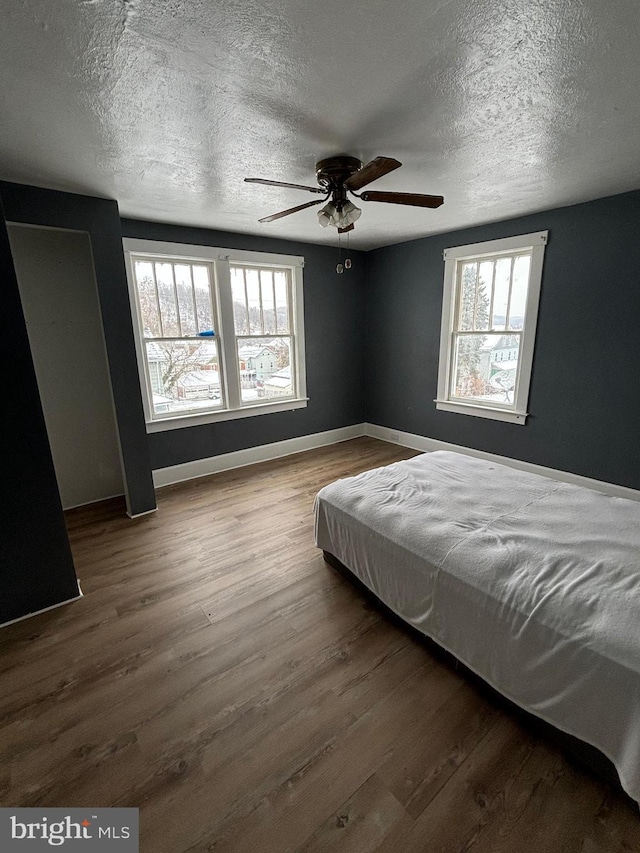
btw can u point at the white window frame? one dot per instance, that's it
(220, 260)
(515, 412)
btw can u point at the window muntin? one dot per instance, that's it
(488, 326)
(261, 300)
(216, 337)
(492, 292)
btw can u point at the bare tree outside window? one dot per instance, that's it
(491, 296)
(217, 337)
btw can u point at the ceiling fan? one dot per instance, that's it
(338, 175)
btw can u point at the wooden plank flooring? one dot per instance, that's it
(222, 678)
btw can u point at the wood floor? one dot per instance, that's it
(222, 678)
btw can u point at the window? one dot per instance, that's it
(489, 314)
(219, 334)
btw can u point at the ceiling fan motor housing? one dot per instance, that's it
(334, 171)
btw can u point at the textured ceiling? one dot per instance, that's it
(502, 106)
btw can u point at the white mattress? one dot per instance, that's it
(532, 583)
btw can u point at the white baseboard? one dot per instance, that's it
(140, 514)
(419, 442)
(266, 452)
(93, 501)
(262, 453)
(44, 609)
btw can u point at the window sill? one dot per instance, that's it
(482, 411)
(199, 418)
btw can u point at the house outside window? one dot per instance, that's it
(489, 315)
(212, 328)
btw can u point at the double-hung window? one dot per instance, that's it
(219, 333)
(490, 309)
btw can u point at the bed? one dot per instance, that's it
(534, 584)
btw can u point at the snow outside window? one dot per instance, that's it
(219, 334)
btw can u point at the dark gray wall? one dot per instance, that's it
(585, 387)
(100, 219)
(36, 567)
(334, 342)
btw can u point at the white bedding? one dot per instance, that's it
(532, 583)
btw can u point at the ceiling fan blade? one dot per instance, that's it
(414, 199)
(371, 172)
(282, 184)
(344, 230)
(290, 210)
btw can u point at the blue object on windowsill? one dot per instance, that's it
(208, 334)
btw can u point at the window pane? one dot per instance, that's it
(519, 288)
(474, 299)
(467, 296)
(184, 290)
(203, 297)
(265, 368)
(184, 375)
(483, 295)
(241, 318)
(485, 367)
(253, 299)
(268, 305)
(501, 293)
(147, 299)
(281, 280)
(167, 298)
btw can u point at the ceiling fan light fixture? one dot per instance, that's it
(349, 214)
(326, 214)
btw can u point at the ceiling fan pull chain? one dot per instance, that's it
(347, 261)
(339, 266)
